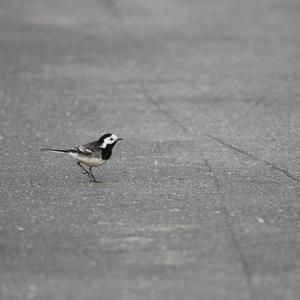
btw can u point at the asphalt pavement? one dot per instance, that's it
(201, 199)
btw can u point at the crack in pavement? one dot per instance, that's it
(287, 173)
(166, 113)
(244, 263)
(245, 266)
(241, 151)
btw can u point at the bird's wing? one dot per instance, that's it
(89, 148)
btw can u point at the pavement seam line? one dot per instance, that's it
(224, 209)
(167, 114)
(243, 261)
(241, 151)
(287, 173)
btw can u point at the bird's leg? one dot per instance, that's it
(84, 169)
(92, 175)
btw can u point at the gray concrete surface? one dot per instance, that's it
(179, 214)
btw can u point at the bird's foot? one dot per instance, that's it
(93, 179)
(96, 181)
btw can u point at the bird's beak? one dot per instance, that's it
(120, 139)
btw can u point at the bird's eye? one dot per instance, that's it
(111, 139)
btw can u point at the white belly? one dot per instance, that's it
(88, 160)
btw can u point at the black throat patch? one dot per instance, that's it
(106, 153)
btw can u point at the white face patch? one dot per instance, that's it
(109, 140)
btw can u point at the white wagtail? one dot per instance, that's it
(92, 154)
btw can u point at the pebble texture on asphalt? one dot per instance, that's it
(201, 199)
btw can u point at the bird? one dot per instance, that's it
(92, 154)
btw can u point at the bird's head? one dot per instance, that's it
(108, 140)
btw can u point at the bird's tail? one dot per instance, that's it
(55, 150)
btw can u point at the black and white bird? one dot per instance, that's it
(92, 154)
